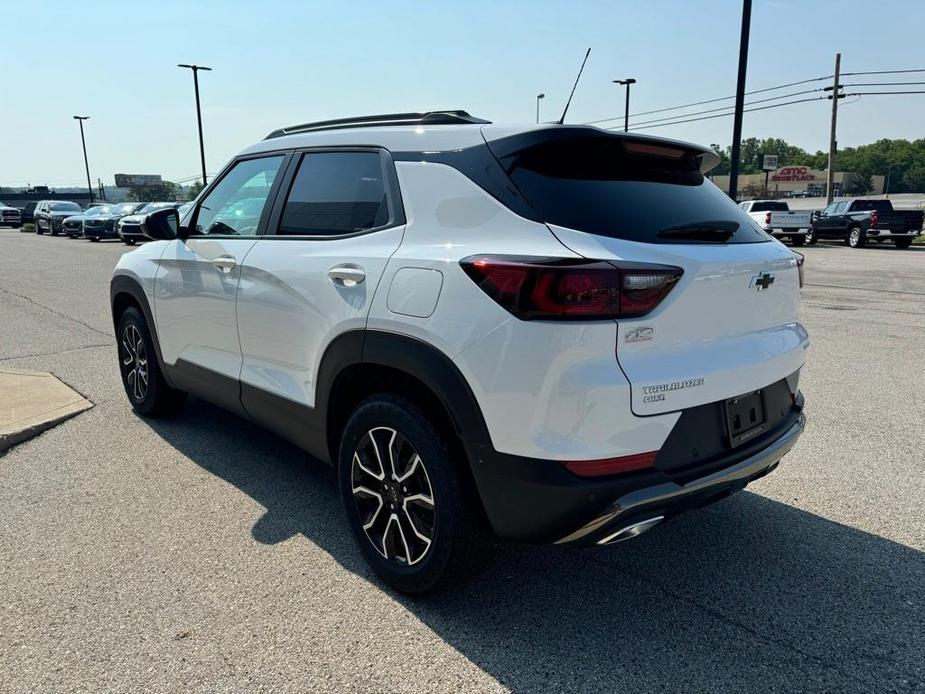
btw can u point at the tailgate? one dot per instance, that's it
(720, 332)
(792, 219)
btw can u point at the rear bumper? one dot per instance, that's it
(887, 234)
(533, 500)
(786, 232)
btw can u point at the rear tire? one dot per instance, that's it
(94, 239)
(797, 240)
(141, 374)
(405, 500)
(902, 243)
(129, 242)
(855, 237)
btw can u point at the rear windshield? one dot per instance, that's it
(770, 206)
(634, 191)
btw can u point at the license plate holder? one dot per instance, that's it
(746, 417)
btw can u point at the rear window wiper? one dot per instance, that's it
(715, 232)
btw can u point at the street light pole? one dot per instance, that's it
(83, 142)
(202, 149)
(626, 116)
(740, 100)
(538, 97)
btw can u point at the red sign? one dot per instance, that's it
(794, 173)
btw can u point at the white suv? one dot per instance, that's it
(546, 333)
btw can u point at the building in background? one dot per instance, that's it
(791, 181)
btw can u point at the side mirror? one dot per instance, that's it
(161, 225)
(816, 214)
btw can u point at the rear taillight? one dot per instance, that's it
(874, 218)
(767, 219)
(611, 466)
(800, 260)
(534, 288)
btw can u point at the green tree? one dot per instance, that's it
(195, 189)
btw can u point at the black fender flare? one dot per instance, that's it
(127, 286)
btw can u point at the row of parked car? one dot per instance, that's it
(99, 221)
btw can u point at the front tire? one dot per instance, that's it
(141, 374)
(855, 237)
(405, 499)
(902, 243)
(811, 238)
(797, 240)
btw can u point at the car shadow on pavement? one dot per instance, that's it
(748, 594)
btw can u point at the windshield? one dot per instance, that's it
(64, 207)
(97, 211)
(126, 208)
(154, 206)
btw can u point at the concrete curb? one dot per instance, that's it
(32, 402)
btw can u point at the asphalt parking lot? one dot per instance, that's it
(204, 554)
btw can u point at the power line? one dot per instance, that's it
(722, 108)
(712, 101)
(731, 113)
(879, 84)
(875, 93)
(882, 72)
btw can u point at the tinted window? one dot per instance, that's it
(234, 205)
(865, 205)
(839, 207)
(336, 193)
(637, 192)
(770, 206)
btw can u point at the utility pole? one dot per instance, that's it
(833, 144)
(202, 150)
(83, 142)
(740, 100)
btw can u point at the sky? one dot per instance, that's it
(278, 63)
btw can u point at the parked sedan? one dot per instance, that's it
(50, 215)
(102, 225)
(73, 226)
(129, 228)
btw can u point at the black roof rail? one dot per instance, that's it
(455, 117)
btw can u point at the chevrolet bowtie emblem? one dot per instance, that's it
(762, 281)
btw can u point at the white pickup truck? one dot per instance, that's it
(776, 218)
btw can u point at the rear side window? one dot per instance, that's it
(770, 206)
(866, 205)
(637, 191)
(336, 193)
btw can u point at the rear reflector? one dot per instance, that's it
(533, 288)
(611, 466)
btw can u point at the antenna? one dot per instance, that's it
(569, 102)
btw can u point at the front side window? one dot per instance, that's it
(336, 193)
(234, 206)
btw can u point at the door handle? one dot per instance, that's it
(224, 263)
(346, 275)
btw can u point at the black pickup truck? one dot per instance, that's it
(858, 220)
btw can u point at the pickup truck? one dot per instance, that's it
(858, 221)
(776, 218)
(10, 216)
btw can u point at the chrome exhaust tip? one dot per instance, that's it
(631, 531)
